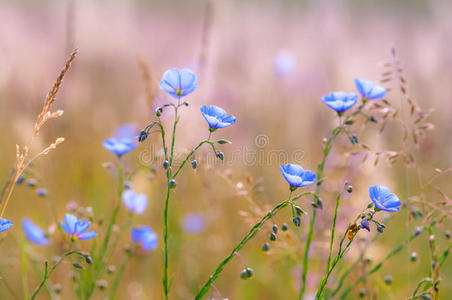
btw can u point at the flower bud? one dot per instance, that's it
(194, 164)
(364, 224)
(220, 155)
(265, 247)
(143, 136)
(275, 228)
(362, 293)
(349, 189)
(388, 279)
(272, 237)
(284, 227)
(414, 257)
(77, 265)
(246, 273)
(447, 234)
(172, 183)
(380, 228)
(102, 284)
(41, 192)
(297, 221)
(111, 269)
(372, 119)
(166, 164)
(57, 288)
(158, 111)
(20, 180)
(31, 182)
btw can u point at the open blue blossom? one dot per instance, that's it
(34, 234)
(383, 199)
(179, 83)
(135, 203)
(144, 236)
(216, 117)
(284, 63)
(368, 89)
(193, 223)
(5, 224)
(296, 176)
(77, 228)
(340, 101)
(124, 140)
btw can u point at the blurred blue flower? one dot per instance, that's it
(5, 224)
(340, 101)
(383, 199)
(41, 192)
(296, 176)
(144, 236)
(364, 224)
(124, 140)
(368, 89)
(179, 83)
(76, 228)
(216, 117)
(284, 63)
(135, 203)
(194, 223)
(34, 234)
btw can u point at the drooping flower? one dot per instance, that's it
(340, 101)
(77, 228)
(216, 117)
(124, 140)
(368, 89)
(179, 83)
(284, 63)
(364, 224)
(135, 203)
(383, 199)
(194, 223)
(296, 176)
(34, 234)
(5, 224)
(144, 236)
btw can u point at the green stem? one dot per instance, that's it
(48, 272)
(333, 231)
(191, 153)
(252, 232)
(165, 240)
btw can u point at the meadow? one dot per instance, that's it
(225, 149)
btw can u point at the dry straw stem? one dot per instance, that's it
(43, 117)
(147, 80)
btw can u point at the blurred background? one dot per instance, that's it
(266, 62)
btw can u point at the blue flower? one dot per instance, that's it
(5, 224)
(144, 236)
(124, 140)
(340, 101)
(179, 83)
(34, 234)
(284, 63)
(76, 228)
(194, 223)
(216, 117)
(369, 90)
(383, 199)
(296, 176)
(135, 203)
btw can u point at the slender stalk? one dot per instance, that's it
(333, 231)
(165, 240)
(191, 153)
(252, 232)
(48, 272)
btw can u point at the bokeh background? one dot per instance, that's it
(231, 45)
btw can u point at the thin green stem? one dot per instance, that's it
(165, 241)
(333, 231)
(191, 153)
(48, 272)
(252, 232)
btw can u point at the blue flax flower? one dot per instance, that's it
(369, 90)
(179, 83)
(216, 117)
(5, 224)
(383, 199)
(144, 236)
(135, 203)
(124, 140)
(194, 223)
(34, 234)
(340, 101)
(296, 176)
(76, 228)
